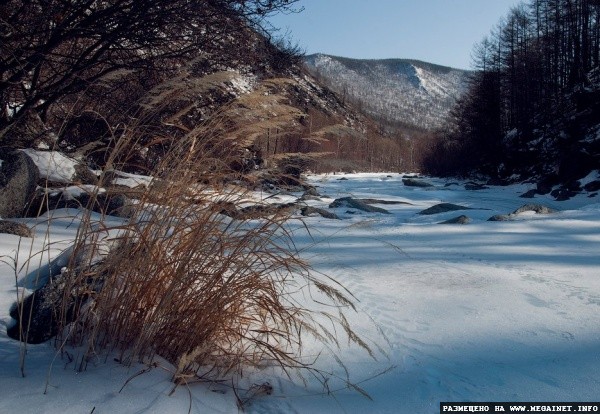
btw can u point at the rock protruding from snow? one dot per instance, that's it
(536, 208)
(115, 204)
(17, 229)
(473, 186)
(314, 211)
(412, 182)
(18, 181)
(443, 208)
(458, 220)
(350, 202)
(592, 186)
(527, 208)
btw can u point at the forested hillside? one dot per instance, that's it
(398, 91)
(80, 76)
(533, 108)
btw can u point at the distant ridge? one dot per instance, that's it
(404, 91)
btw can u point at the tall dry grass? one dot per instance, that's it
(212, 295)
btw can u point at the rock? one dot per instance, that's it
(37, 316)
(497, 182)
(41, 310)
(18, 182)
(545, 185)
(458, 220)
(83, 175)
(311, 211)
(385, 202)
(451, 184)
(309, 197)
(350, 202)
(543, 189)
(254, 212)
(17, 229)
(342, 179)
(472, 186)
(500, 217)
(43, 202)
(529, 194)
(592, 186)
(117, 205)
(536, 208)
(411, 182)
(442, 208)
(311, 191)
(563, 194)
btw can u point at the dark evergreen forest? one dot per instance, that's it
(533, 108)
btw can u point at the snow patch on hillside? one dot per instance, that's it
(410, 92)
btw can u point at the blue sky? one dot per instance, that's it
(437, 31)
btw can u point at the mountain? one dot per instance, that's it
(395, 90)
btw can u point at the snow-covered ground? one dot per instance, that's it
(488, 311)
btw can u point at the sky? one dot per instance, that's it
(437, 31)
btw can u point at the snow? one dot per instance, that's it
(53, 165)
(488, 311)
(131, 180)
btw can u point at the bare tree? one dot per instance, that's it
(53, 48)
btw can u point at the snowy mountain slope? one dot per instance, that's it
(406, 91)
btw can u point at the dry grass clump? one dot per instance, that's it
(210, 294)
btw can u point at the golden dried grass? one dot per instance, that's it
(210, 294)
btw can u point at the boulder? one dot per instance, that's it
(83, 175)
(442, 208)
(411, 182)
(253, 212)
(385, 202)
(117, 205)
(497, 182)
(563, 194)
(529, 194)
(500, 217)
(545, 185)
(311, 193)
(473, 186)
(43, 202)
(17, 229)
(18, 182)
(312, 211)
(592, 186)
(350, 202)
(536, 208)
(458, 220)
(37, 317)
